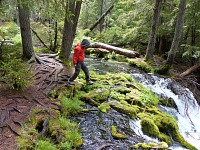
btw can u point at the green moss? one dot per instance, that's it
(149, 126)
(65, 131)
(126, 109)
(99, 95)
(140, 64)
(156, 123)
(123, 90)
(163, 70)
(45, 145)
(115, 134)
(150, 145)
(104, 107)
(117, 95)
(28, 138)
(179, 138)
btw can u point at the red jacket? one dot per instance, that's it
(79, 54)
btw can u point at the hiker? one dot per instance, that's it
(78, 61)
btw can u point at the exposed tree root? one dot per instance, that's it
(52, 67)
(45, 127)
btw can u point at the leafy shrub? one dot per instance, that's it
(9, 30)
(191, 52)
(15, 74)
(17, 40)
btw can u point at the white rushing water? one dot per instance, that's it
(188, 113)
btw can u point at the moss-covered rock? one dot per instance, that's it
(104, 107)
(99, 95)
(130, 110)
(62, 130)
(151, 145)
(149, 126)
(140, 63)
(117, 135)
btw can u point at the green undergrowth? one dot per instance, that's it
(61, 133)
(13, 71)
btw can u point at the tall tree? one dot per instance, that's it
(154, 27)
(177, 34)
(72, 12)
(24, 20)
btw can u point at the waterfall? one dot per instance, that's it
(187, 113)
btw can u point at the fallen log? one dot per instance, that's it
(117, 50)
(190, 70)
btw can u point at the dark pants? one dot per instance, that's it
(79, 66)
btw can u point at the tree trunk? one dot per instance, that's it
(177, 34)
(190, 70)
(101, 18)
(102, 21)
(1, 53)
(55, 36)
(24, 21)
(152, 40)
(70, 26)
(125, 52)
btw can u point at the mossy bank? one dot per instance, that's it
(111, 91)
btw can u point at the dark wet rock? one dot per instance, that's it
(95, 128)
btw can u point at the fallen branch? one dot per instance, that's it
(40, 39)
(12, 129)
(190, 70)
(101, 18)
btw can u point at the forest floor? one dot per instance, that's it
(16, 106)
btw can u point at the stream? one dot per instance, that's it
(95, 125)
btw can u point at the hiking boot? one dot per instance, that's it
(89, 82)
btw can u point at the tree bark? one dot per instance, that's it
(152, 40)
(102, 21)
(177, 34)
(190, 70)
(70, 26)
(25, 29)
(125, 52)
(101, 18)
(1, 53)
